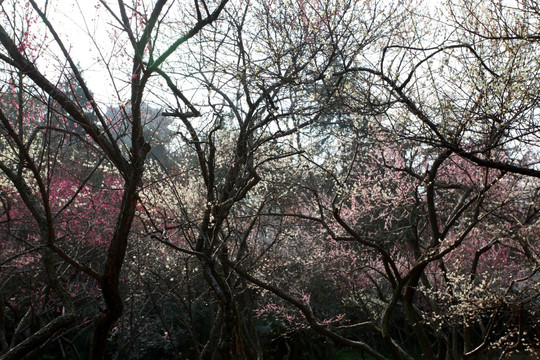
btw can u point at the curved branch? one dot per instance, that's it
(308, 314)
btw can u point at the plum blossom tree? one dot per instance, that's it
(260, 99)
(30, 173)
(341, 168)
(371, 246)
(480, 128)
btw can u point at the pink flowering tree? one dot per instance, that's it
(32, 156)
(369, 243)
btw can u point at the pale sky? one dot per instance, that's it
(77, 22)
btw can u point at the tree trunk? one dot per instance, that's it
(231, 342)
